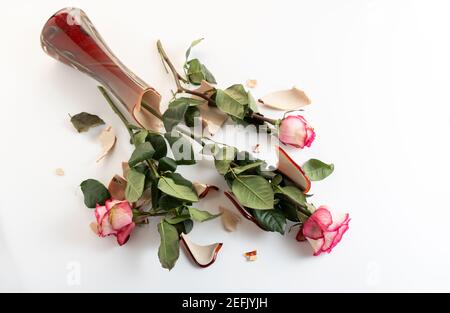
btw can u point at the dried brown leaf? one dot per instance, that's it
(117, 187)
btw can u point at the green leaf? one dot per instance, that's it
(253, 191)
(209, 77)
(179, 179)
(240, 169)
(252, 103)
(177, 219)
(276, 180)
(167, 202)
(196, 72)
(169, 249)
(94, 193)
(174, 114)
(140, 137)
(142, 152)
(288, 209)
(193, 44)
(192, 113)
(185, 226)
(159, 144)
(181, 149)
(135, 185)
(170, 187)
(201, 216)
(270, 220)
(84, 121)
(223, 158)
(292, 193)
(317, 170)
(167, 164)
(233, 100)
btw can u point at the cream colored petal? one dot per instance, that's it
(229, 219)
(286, 100)
(107, 140)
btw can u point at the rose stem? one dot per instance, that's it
(177, 77)
(125, 122)
(117, 111)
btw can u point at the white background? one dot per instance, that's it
(377, 73)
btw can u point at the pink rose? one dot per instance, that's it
(114, 218)
(295, 131)
(323, 230)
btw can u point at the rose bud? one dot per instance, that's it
(114, 218)
(324, 230)
(294, 130)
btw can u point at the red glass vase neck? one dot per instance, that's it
(70, 37)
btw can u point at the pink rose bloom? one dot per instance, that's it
(295, 131)
(114, 218)
(323, 230)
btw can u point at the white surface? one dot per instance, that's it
(378, 75)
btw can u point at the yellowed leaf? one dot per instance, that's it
(229, 219)
(107, 140)
(286, 100)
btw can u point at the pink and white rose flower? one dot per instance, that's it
(114, 218)
(294, 130)
(324, 230)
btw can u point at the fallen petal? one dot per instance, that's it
(204, 256)
(107, 140)
(286, 100)
(229, 219)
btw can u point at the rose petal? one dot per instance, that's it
(121, 215)
(105, 227)
(323, 217)
(124, 234)
(100, 211)
(316, 245)
(312, 230)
